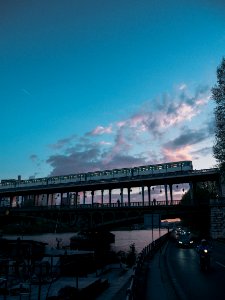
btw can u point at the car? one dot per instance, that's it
(185, 241)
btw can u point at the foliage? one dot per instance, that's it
(204, 192)
(218, 95)
(131, 256)
(128, 258)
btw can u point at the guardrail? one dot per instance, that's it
(147, 252)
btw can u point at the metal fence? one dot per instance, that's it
(147, 252)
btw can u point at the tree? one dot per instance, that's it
(204, 192)
(218, 95)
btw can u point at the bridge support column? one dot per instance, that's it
(143, 194)
(149, 195)
(193, 187)
(121, 196)
(92, 197)
(11, 200)
(128, 190)
(61, 199)
(166, 194)
(22, 201)
(68, 199)
(76, 199)
(32, 200)
(84, 196)
(102, 196)
(110, 197)
(171, 193)
(49, 197)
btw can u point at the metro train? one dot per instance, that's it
(106, 175)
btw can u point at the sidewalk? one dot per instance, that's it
(158, 286)
(119, 280)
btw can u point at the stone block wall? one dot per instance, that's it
(217, 217)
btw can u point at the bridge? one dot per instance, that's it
(67, 203)
(72, 192)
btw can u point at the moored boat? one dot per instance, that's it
(91, 239)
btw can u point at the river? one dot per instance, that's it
(123, 238)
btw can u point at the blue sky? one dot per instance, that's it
(96, 84)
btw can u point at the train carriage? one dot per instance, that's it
(143, 170)
(31, 182)
(105, 175)
(120, 173)
(67, 178)
(93, 176)
(8, 183)
(99, 175)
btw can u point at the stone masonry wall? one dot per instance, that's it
(217, 221)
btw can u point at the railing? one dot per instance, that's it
(92, 206)
(148, 251)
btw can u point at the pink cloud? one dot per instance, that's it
(129, 145)
(177, 154)
(99, 130)
(121, 124)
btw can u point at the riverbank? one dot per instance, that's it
(30, 225)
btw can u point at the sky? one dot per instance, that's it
(100, 84)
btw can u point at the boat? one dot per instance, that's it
(91, 239)
(21, 248)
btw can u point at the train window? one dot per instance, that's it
(115, 171)
(106, 173)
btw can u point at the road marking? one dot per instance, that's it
(218, 263)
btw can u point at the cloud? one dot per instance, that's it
(169, 111)
(158, 131)
(34, 157)
(25, 91)
(183, 86)
(91, 158)
(180, 148)
(99, 130)
(188, 137)
(179, 154)
(202, 152)
(62, 142)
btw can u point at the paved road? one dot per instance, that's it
(189, 281)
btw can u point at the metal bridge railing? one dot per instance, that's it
(148, 251)
(92, 206)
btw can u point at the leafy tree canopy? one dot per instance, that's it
(218, 95)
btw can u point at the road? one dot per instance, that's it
(189, 281)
